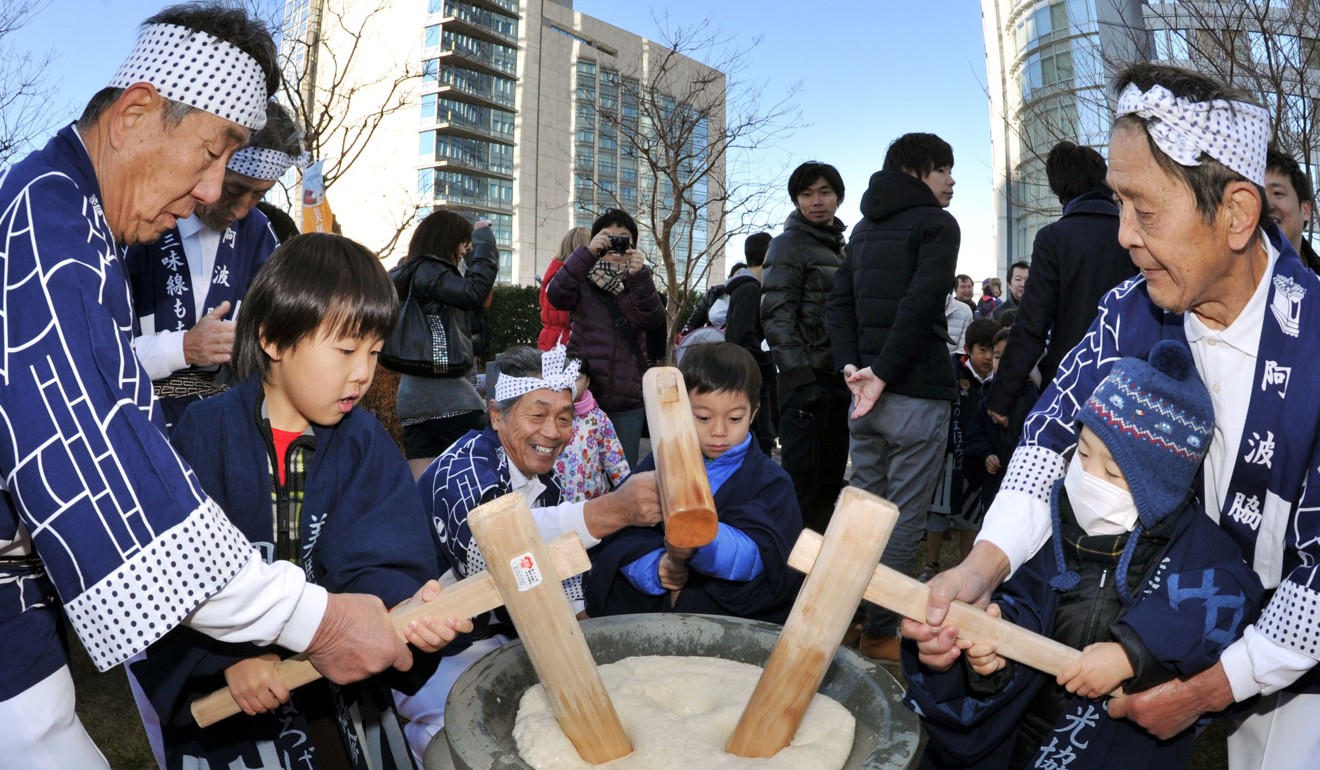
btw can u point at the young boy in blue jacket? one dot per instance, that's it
(743, 572)
(312, 480)
(1137, 576)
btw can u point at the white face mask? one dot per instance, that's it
(1100, 507)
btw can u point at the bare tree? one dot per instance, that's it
(25, 112)
(340, 96)
(693, 131)
(1269, 48)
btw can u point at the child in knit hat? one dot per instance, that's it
(1136, 575)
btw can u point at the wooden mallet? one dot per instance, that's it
(907, 596)
(467, 598)
(520, 564)
(685, 499)
(820, 617)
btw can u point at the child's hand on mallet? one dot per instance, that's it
(1099, 672)
(255, 685)
(431, 634)
(673, 567)
(984, 658)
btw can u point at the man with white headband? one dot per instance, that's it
(1187, 164)
(188, 285)
(531, 420)
(99, 517)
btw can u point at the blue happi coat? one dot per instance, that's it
(1270, 509)
(1195, 602)
(161, 283)
(97, 504)
(361, 530)
(474, 471)
(162, 287)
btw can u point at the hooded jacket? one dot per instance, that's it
(799, 271)
(886, 310)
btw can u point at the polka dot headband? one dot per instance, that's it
(555, 375)
(266, 164)
(1236, 134)
(199, 70)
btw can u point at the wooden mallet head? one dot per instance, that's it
(854, 541)
(468, 598)
(685, 498)
(520, 564)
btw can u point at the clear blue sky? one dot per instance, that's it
(869, 70)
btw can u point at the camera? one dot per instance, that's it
(620, 243)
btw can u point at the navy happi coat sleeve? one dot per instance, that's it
(97, 504)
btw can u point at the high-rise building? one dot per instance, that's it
(1045, 66)
(1049, 62)
(516, 111)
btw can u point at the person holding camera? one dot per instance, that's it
(610, 292)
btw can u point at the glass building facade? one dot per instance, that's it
(469, 88)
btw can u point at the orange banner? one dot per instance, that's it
(316, 214)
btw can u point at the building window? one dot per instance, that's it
(426, 183)
(427, 145)
(431, 36)
(430, 71)
(1171, 45)
(1274, 50)
(428, 106)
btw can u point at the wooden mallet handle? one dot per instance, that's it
(518, 561)
(907, 596)
(685, 498)
(467, 598)
(820, 617)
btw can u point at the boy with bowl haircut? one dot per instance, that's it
(311, 480)
(744, 571)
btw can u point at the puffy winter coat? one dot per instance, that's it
(554, 323)
(799, 272)
(887, 307)
(615, 361)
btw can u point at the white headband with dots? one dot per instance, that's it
(266, 164)
(199, 70)
(1236, 134)
(555, 375)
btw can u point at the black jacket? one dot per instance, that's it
(742, 326)
(799, 271)
(439, 285)
(887, 307)
(1074, 262)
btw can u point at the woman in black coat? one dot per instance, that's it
(437, 411)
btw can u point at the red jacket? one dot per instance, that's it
(554, 323)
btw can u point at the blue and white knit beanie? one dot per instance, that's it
(1156, 418)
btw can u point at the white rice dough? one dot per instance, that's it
(679, 713)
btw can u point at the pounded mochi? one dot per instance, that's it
(678, 713)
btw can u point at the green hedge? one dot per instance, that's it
(514, 317)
